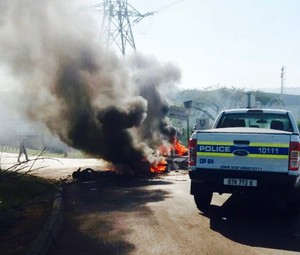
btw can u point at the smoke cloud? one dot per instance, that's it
(84, 94)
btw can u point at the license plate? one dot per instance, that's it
(240, 182)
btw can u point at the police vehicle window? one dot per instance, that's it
(232, 120)
(258, 120)
(281, 122)
(227, 121)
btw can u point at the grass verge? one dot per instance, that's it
(25, 203)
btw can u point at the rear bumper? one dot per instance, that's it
(212, 180)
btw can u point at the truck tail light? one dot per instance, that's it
(192, 152)
(294, 156)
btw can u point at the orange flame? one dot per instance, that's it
(176, 146)
(159, 167)
(179, 148)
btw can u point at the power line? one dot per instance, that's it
(118, 18)
(165, 7)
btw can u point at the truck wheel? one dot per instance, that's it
(292, 209)
(203, 201)
(292, 203)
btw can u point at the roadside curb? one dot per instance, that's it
(51, 229)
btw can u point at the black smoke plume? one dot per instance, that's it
(83, 93)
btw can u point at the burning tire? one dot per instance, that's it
(203, 200)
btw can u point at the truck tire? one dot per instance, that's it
(292, 209)
(292, 203)
(203, 201)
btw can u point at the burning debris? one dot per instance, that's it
(159, 167)
(175, 154)
(86, 174)
(84, 94)
(176, 146)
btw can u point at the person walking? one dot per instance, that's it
(22, 150)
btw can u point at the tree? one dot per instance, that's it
(267, 99)
(209, 102)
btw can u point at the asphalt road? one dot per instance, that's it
(126, 215)
(115, 214)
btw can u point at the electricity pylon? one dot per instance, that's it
(118, 18)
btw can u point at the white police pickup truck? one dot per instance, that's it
(247, 150)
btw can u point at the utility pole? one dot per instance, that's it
(188, 105)
(282, 75)
(118, 18)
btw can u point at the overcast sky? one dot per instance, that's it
(227, 42)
